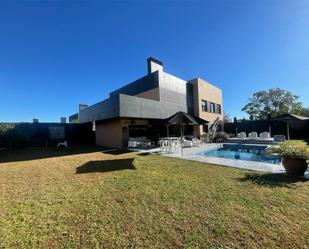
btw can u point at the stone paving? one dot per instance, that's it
(190, 154)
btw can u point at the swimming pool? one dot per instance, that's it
(239, 152)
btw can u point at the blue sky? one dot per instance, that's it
(55, 55)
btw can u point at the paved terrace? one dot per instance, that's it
(190, 154)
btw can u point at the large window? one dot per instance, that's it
(218, 109)
(138, 130)
(204, 106)
(211, 107)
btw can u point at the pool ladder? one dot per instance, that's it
(219, 143)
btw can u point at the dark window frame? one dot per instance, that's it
(204, 105)
(219, 109)
(205, 128)
(211, 107)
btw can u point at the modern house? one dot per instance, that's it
(137, 108)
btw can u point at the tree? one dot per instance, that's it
(226, 118)
(305, 112)
(275, 101)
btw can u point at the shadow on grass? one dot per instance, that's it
(272, 180)
(39, 153)
(106, 166)
(115, 151)
(145, 154)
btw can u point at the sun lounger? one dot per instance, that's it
(279, 138)
(196, 141)
(265, 137)
(240, 136)
(187, 143)
(264, 134)
(252, 138)
(253, 135)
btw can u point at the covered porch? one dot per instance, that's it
(120, 132)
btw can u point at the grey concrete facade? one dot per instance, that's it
(136, 107)
(123, 102)
(105, 109)
(157, 95)
(129, 106)
(143, 84)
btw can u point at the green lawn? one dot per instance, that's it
(112, 199)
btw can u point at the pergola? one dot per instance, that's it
(182, 119)
(290, 119)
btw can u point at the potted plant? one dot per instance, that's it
(294, 157)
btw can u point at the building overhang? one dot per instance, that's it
(126, 106)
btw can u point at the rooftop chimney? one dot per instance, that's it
(82, 107)
(154, 65)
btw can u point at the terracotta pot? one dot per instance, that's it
(296, 167)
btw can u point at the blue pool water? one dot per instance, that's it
(241, 154)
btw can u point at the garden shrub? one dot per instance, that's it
(17, 139)
(12, 138)
(221, 135)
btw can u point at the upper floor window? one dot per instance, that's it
(219, 111)
(211, 107)
(204, 105)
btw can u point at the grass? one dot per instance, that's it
(113, 199)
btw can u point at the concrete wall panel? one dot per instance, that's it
(153, 94)
(108, 108)
(136, 107)
(139, 86)
(172, 89)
